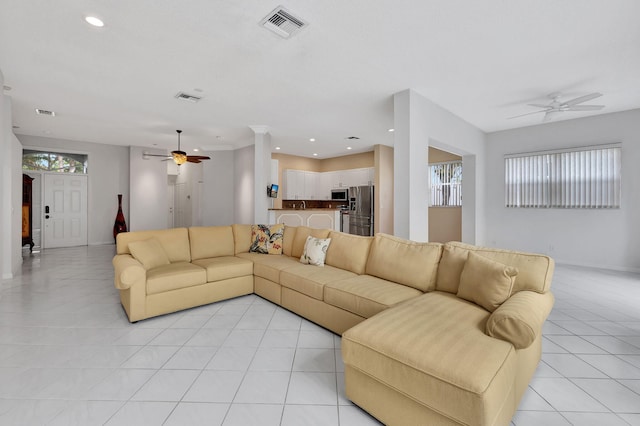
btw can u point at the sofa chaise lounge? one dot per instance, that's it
(431, 333)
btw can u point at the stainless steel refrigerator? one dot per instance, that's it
(361, 210)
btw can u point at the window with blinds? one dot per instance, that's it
(446, 184)
(579, 178)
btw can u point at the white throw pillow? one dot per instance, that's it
(315, 251)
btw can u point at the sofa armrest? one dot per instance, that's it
(519, 319)
(128, 271)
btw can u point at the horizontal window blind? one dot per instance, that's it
(581, 178)
(445, 184)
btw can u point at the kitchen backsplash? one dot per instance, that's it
(312, 204)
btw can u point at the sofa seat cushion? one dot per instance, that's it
(434, 350)
(269, 266)
(225, 267)
(366, 295)
(174, 276)
(310, 280)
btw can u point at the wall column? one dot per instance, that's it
(262, 173)
(10, 191)
(410, 158)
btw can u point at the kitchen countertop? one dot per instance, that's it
(310, 209)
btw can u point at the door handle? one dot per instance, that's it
(46, 209)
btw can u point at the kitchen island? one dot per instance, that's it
(313, 217)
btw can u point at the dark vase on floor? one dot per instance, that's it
(120, 225)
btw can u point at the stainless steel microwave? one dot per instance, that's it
(341, 194)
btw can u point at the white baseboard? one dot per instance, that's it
(599, 266)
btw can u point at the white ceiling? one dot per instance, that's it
(482, 60)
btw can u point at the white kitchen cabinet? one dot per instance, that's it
(294, 184)
(339, 179)
(311, 182)
(362, 176)
(325, 186)
(306, 185)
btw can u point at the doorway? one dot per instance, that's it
(65, 210)
(445, 207)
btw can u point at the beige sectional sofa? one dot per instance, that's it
(431, 333)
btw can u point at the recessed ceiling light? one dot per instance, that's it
(315, 154)
(196, 149)
(392, 130)
(277, 148)
(92, 20)
(312, 140)
(349, 147)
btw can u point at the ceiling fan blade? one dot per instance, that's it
(198, 157)
(540, 106)
(585, 108)
(146, 154)
(582, 99)
(529, 113)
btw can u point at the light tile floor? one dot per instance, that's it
(68, 356)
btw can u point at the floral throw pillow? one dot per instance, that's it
(315, 251)
(267, 239)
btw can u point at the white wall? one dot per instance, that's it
(244, 173)
(262, 174)
(10, 192)
(441, 129)
(590, 237)
(108, 176)
(148, 185)
(190, 177)
(218, 189)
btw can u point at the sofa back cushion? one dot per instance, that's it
(348, 252)
(211, 241)
(405, 262)
(175, 242)
(300, 238)
(241, 238)
(287, 239)
(534, 270)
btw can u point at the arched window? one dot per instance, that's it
(61, 162)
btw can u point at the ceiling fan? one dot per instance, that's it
(178, 156)
(556, 106)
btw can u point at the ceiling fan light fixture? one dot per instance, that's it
(179, 157)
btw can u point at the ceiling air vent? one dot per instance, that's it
(282, 22)
(187, 97)
(45, 112)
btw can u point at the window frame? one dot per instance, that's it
(455, 188)
(76, 156)
(587, 177)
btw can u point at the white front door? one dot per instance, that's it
(65, 210)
